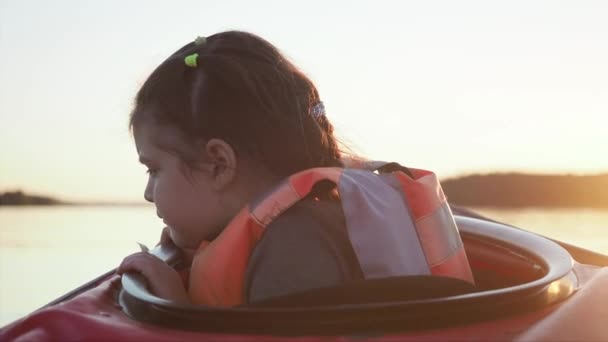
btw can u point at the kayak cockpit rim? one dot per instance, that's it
(548, 279)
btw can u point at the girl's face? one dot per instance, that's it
(185, 199)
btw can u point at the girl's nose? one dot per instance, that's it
(148, 192)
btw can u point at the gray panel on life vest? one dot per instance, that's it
(439, 235)
(380, 226)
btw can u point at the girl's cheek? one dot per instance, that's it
(162, 192)
(155, 190)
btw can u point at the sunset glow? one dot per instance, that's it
(456, 87)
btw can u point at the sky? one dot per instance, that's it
(457, 87)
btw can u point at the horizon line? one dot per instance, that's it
(63, 200)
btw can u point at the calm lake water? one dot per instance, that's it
(48, 251)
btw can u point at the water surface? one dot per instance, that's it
(48, 251)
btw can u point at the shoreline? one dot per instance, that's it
(498, 190)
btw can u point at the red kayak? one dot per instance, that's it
(528, 287)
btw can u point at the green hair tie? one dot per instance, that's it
(191, 60)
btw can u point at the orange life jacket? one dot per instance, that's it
(398, 224)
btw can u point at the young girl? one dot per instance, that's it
(244, 171)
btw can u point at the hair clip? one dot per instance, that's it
(191, 60)
(318, 110)
(200, 41)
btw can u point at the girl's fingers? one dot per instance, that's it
(141, 262)
(162, 280)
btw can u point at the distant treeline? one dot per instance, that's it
(497, 190)
(20, 198)
(525, 190)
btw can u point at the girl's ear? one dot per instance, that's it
(223, 159)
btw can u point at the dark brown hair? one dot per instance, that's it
(243, 91)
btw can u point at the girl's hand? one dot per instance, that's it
(187, 254)
(163, 280)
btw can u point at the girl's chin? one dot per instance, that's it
(183, 243)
